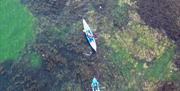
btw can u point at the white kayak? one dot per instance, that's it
(89, 35)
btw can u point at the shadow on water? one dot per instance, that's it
(162, 14)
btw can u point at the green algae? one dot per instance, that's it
(15, 29)
(120, 15)
(64, 31)
(160, 70)
(134, 72)
(146, 43)
(35, 60)
(123, 60)
(140, 53)
(140, 41)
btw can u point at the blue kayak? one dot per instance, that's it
(95, 85)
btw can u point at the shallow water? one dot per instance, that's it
(43, 48)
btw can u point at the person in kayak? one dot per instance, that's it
(90, 35)
(95, 85)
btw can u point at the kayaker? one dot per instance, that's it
(95, 85)
(90, 35)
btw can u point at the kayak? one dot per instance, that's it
(95, 85)
(89, 35)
